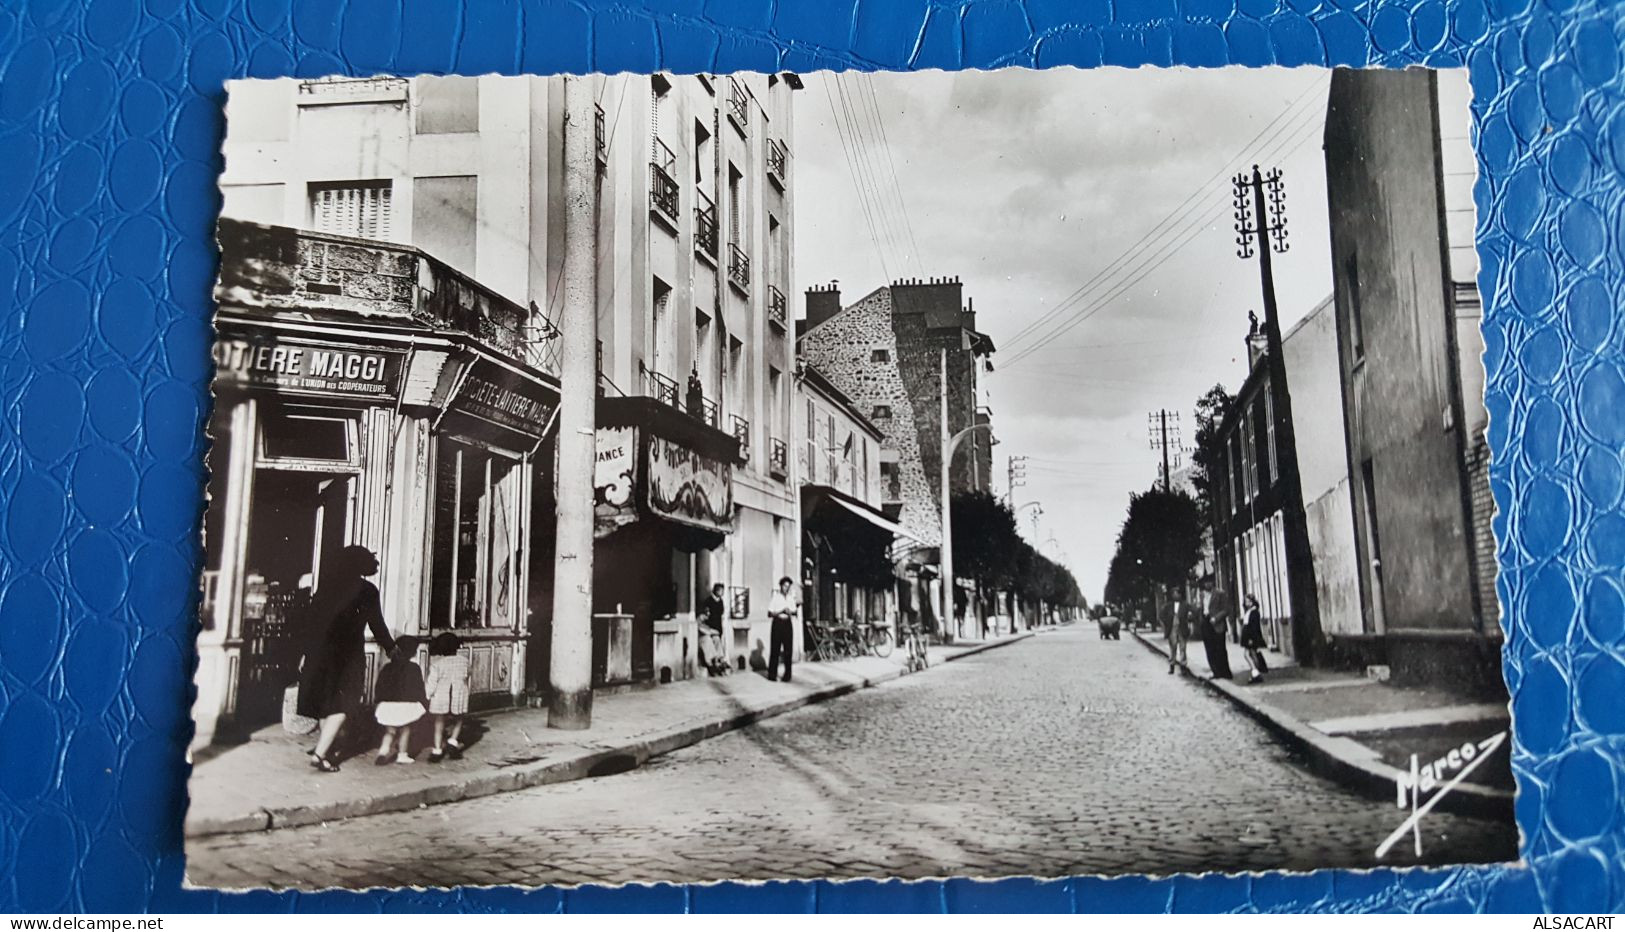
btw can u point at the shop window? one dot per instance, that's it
(288, 435)
(476, 538)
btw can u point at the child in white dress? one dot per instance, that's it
(448, 695)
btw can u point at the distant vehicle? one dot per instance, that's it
(1111, 627)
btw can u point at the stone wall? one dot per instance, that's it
(1478, 485)
(843, 348)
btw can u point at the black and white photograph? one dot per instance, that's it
(686, 478)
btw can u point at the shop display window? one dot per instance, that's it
(475, 547)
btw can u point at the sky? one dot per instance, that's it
(1029, 185)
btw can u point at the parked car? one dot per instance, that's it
(1111, 627)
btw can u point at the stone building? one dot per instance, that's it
(1400, 174)
(888, 353)
(694, 258)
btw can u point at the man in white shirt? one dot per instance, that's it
(782, 611)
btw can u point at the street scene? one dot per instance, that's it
(689, 477)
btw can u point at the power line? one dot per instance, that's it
(1173, 218)
(863, 202)
(1148, 266)
(891, 164)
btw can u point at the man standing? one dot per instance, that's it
(711, 629)
(1175, 629)
(782, 610)
(1213, 621)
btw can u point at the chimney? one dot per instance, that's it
(1257, 343)
(823, 302)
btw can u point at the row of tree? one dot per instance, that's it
(1160, 542)
(989, 549)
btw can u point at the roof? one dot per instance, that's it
(802, 330)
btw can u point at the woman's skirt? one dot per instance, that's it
(397, 714)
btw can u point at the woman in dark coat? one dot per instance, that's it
(332, 677)
(1252, 640)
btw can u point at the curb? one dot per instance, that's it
(1348, 761)
(572, 764)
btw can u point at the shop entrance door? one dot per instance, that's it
(298, 520)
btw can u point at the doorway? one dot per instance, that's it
(297, 521)
(1373, 549)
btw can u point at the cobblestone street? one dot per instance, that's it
(1062, 754)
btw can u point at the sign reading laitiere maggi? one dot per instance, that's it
(308, 368)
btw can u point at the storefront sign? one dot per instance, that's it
(689, 488)
(507, 398)
(614, 474)
(307, 368)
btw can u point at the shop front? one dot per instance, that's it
(846, 553)
(415, 444)
(663, 499)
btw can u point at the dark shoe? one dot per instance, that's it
(787, 677)
(454, 751)
(323, 764)
(773, 676)
(435, 755)
(383, 760)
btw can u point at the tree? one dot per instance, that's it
(985, 539)
(1208, 459)
(1158, 546)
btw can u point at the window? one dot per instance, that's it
(734, 233)
(775, 397)
(702, 152)
(880, 355)
(880, 412)
(864, 446)
(1351, 270)
(1230, 470)
(662, 343)
(351, 208)
(830, 451)
(476, 538)
(1269, 429)
(1262, 437)
(704, 354)
(449, 104)
(295, 436)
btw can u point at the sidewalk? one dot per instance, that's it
(267, 782)
(1360, 730)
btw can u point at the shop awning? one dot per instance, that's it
(817, 495)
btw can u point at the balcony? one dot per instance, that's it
(738, 106)
(705, 228)
(663, 184)
(601, 138)
(741, 432)
(665, 390)
(282, 269)
(777, 164)
(778, 459)
(738, 268)
(775, 307)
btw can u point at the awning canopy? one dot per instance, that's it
(814, 497)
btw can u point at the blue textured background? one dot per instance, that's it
(110, 122)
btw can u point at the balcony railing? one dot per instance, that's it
(778, 459)
(738, 105)
(663, 181)
(352, 91)
(777, 163)
(738, 268)
(741, 432)
(601, 138)
(279, 268)
(775, 306)
(661, 388)
(705, 226)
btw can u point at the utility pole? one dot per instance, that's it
(945, 481)
(1016, 474)
(1164, 437)
(1262, 220)
(570, 672)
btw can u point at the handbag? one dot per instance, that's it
(292, 722)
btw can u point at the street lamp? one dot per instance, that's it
(949, 445)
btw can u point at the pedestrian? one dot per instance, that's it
(1212, 619)
(1252, 640)
(782, 610)
(448, 695)
(1176, 630)
(333, 670)
(711, 654)
(400, 701)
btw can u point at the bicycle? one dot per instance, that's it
(877, 639)
(918, 659)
